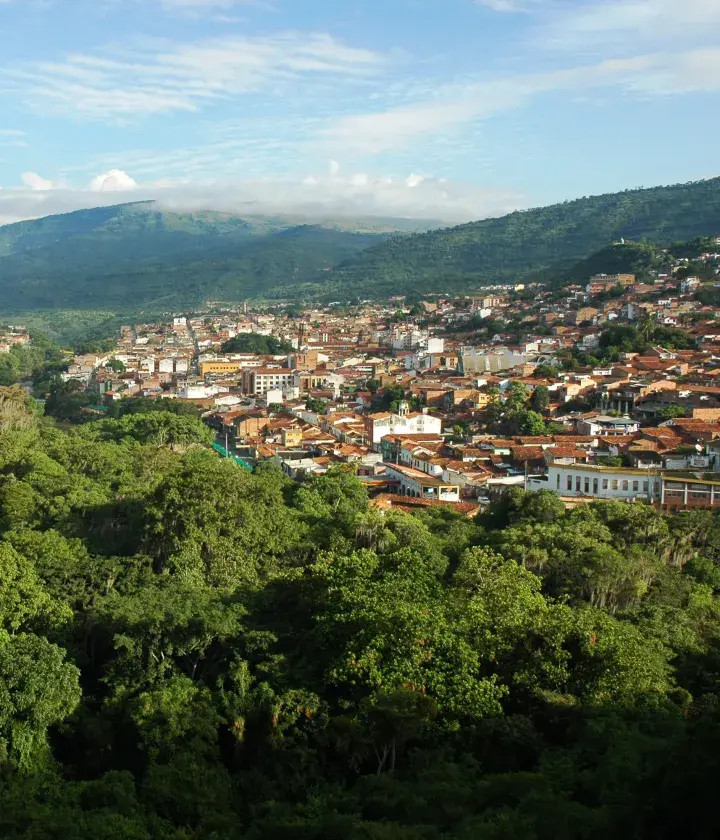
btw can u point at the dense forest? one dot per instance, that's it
(135, 258)
(189, 650)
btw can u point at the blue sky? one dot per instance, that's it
(452, 109)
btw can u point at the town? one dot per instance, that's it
(605, 390)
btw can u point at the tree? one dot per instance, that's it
(158, 428)
(116, 365)
(318, 406)
(540, 399)
(38, 689)
(531, 423)
(265, 345)
(670, 412)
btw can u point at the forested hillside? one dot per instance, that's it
(190, 651)
(533, 244)
(212, 269)
(135, 257)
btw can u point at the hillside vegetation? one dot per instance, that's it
(138, 258)
(532, 244)
(149, 265)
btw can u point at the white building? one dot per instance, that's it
(420, 485)
(604, 426)
(262, 380)
(589, 480)
(404, 422)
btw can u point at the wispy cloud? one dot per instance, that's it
(504, 5)
(161, 77)
(12, 137)
(631, 24)
(455, 106)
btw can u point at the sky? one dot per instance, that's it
(442, 109)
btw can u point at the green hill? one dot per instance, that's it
(138, 257)
(152, 266)
(538, 243)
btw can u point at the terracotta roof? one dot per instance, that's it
(408, 504)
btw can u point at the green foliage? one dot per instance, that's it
(540, 399)
(147, 405)
(316, 405)
(158, 428)
(671, 412)
(265, 345)
(188, 651)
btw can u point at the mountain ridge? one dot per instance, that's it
(135, 256)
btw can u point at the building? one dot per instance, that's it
(262, 380)
(220, 366)
(474, 360)
(589, 480)
(603, 282)
(420, 485)
(403, 423)
(604, 426)
(671, 490)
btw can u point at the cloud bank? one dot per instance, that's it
(358, 194)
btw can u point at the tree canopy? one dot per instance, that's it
(188, 651)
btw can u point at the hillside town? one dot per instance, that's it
(609, 389)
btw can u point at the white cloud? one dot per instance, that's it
(162, 77)
(333, 168)
(625, 24)
(317, 197)
(502, 5)
(113, 181)
(454, 107)
(35, 181)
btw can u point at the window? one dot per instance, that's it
(587, 486)
(646, 486)
(624, 485)
(605, 484)
(636, 485)
(614, 484)
(569, 482)
(595, 486)
(577, 484)
(558, 481)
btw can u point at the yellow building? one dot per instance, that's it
(220, 367)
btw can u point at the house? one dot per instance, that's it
(603, 426)
(420, 485)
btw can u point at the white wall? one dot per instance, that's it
(611, 484)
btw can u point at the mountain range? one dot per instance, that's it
(140, 257)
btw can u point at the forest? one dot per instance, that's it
(189, 650)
